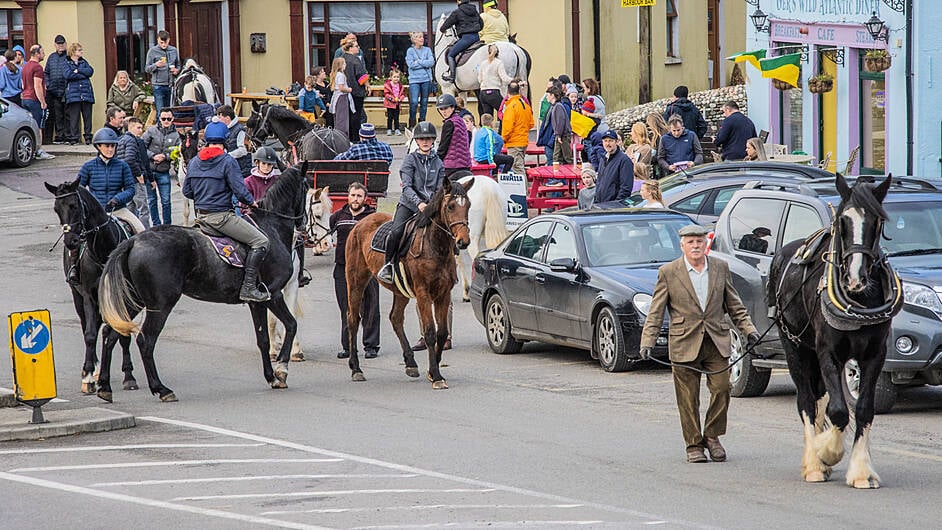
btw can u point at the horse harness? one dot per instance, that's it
(88, 232)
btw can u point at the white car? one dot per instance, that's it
(19, 134)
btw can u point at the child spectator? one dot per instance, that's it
(310, 99)
(587, 193)
(393, 96)
(488, 145)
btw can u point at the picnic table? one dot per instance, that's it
(538, 152)
(241, 98)
(538, 194)
(795, 159)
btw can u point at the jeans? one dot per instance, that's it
(140, 203)
(163, 189)
(161, 97)
(463, 44)
(417, 91)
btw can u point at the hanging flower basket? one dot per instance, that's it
(820, 84)
(782, 85)
(877, 61)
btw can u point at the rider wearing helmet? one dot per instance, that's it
(211, 180)
(109, 180)
(264, 174)
(422, 173)
(454, 148)
(467, 23)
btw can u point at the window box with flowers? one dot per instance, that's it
(821, 83)
(877, 60)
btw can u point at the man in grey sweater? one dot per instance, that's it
(162, 63)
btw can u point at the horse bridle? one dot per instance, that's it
(83, 235)
(450, 229)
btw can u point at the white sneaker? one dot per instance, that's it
(398, 132)
(42, 155)
(389, 132)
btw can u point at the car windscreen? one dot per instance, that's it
(913, 228)
(669, 186)
(633, 241)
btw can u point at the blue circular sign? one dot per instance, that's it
(31, 336)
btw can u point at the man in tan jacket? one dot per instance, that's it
(698, 294)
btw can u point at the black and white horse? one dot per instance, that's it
(835, 295)
(301, 139)
(192, 84)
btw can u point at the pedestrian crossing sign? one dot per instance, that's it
(34, 372)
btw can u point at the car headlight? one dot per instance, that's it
(922, 296)
(642, 302)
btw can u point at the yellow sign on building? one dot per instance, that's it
(637, 3)
(34, 372)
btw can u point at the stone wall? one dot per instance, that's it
(710, 103)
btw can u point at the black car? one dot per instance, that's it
(703, 191)
(582, 279)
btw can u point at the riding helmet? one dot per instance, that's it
(216, 133)
(265, 154)
(424, 130)
(445, 101)
(105, 136)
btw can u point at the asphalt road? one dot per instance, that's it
(543, 438)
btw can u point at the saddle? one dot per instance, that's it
(466, 55)
(378, 243)
(805, 253)
(229, 250)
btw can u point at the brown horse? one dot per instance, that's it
(430, 271)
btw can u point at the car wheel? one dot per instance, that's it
(609, 342)
(884, 396)
(23, 149)
(497, 325)
(745, 380)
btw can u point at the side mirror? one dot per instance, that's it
(563, 265)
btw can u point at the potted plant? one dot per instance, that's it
(877, 60)
(782, 85)
(821, 83)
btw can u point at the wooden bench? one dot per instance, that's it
(339, 174)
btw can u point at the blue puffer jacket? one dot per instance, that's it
(55, 74)
(108, 180)
(133, 151)
(78, 88)
(210, 182)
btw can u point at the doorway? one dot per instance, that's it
(827, 114)
(201, 37)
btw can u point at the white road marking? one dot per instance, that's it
(491, 524)
(240, 479)
(430, 507)
(180, 463)
(410, 469)
(253, 519)
(121, 448)
(314, 493)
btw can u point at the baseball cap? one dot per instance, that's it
(60, 39)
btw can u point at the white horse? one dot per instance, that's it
(487, 218)
(516, 62)
(318, 211)
(192, 84)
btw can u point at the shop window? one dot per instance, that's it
(135, 33)
(11, 28)
(872, 122)
(673, 32)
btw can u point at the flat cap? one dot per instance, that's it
(693, 230)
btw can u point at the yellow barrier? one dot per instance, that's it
(34, 371)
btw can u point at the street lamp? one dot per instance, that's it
(759, 19)
(877, 29)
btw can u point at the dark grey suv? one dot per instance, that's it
(762, 217)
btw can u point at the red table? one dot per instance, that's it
(539, 152)
(538, 197)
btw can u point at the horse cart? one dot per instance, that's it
(339, 174)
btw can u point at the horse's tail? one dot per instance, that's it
(495, 216)
(528, 62)
(114, 291)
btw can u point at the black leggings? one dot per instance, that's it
(489, 102)
(392, 119)
(402, 215)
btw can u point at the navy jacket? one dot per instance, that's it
(616, 178)
(736, 129)
(232, 143)
(693, 118)
(78, 87)
(671, 150)
(108, 180)
(211, 183)
(55, 74)
(133, 151)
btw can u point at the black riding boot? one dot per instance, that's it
(250, 291)
(73, 275)
(386, 274)
(304, 278)
(452, 70)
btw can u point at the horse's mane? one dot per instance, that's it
(861, 194)
(285, 190)
(283, 113)
(435, 203)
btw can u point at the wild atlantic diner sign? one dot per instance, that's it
(828, 8)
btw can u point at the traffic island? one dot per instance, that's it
(15, 422)
(7, 398)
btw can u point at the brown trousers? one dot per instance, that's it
(687, 390)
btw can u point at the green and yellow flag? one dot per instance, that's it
(784, 68)
(752, 57)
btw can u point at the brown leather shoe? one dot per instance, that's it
(696, 456)
(717, 453)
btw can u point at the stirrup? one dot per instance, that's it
(304, 278)
(386, 273)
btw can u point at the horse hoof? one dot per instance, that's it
(818, 476)
(169, 398)
(358, 377)
(88, 388)
(428, 376)
(412, 371)
(439, 385)
(866, 484)
(297, 357)
(106, 396)
(278, 384)
(131, 384)
(465, 298)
